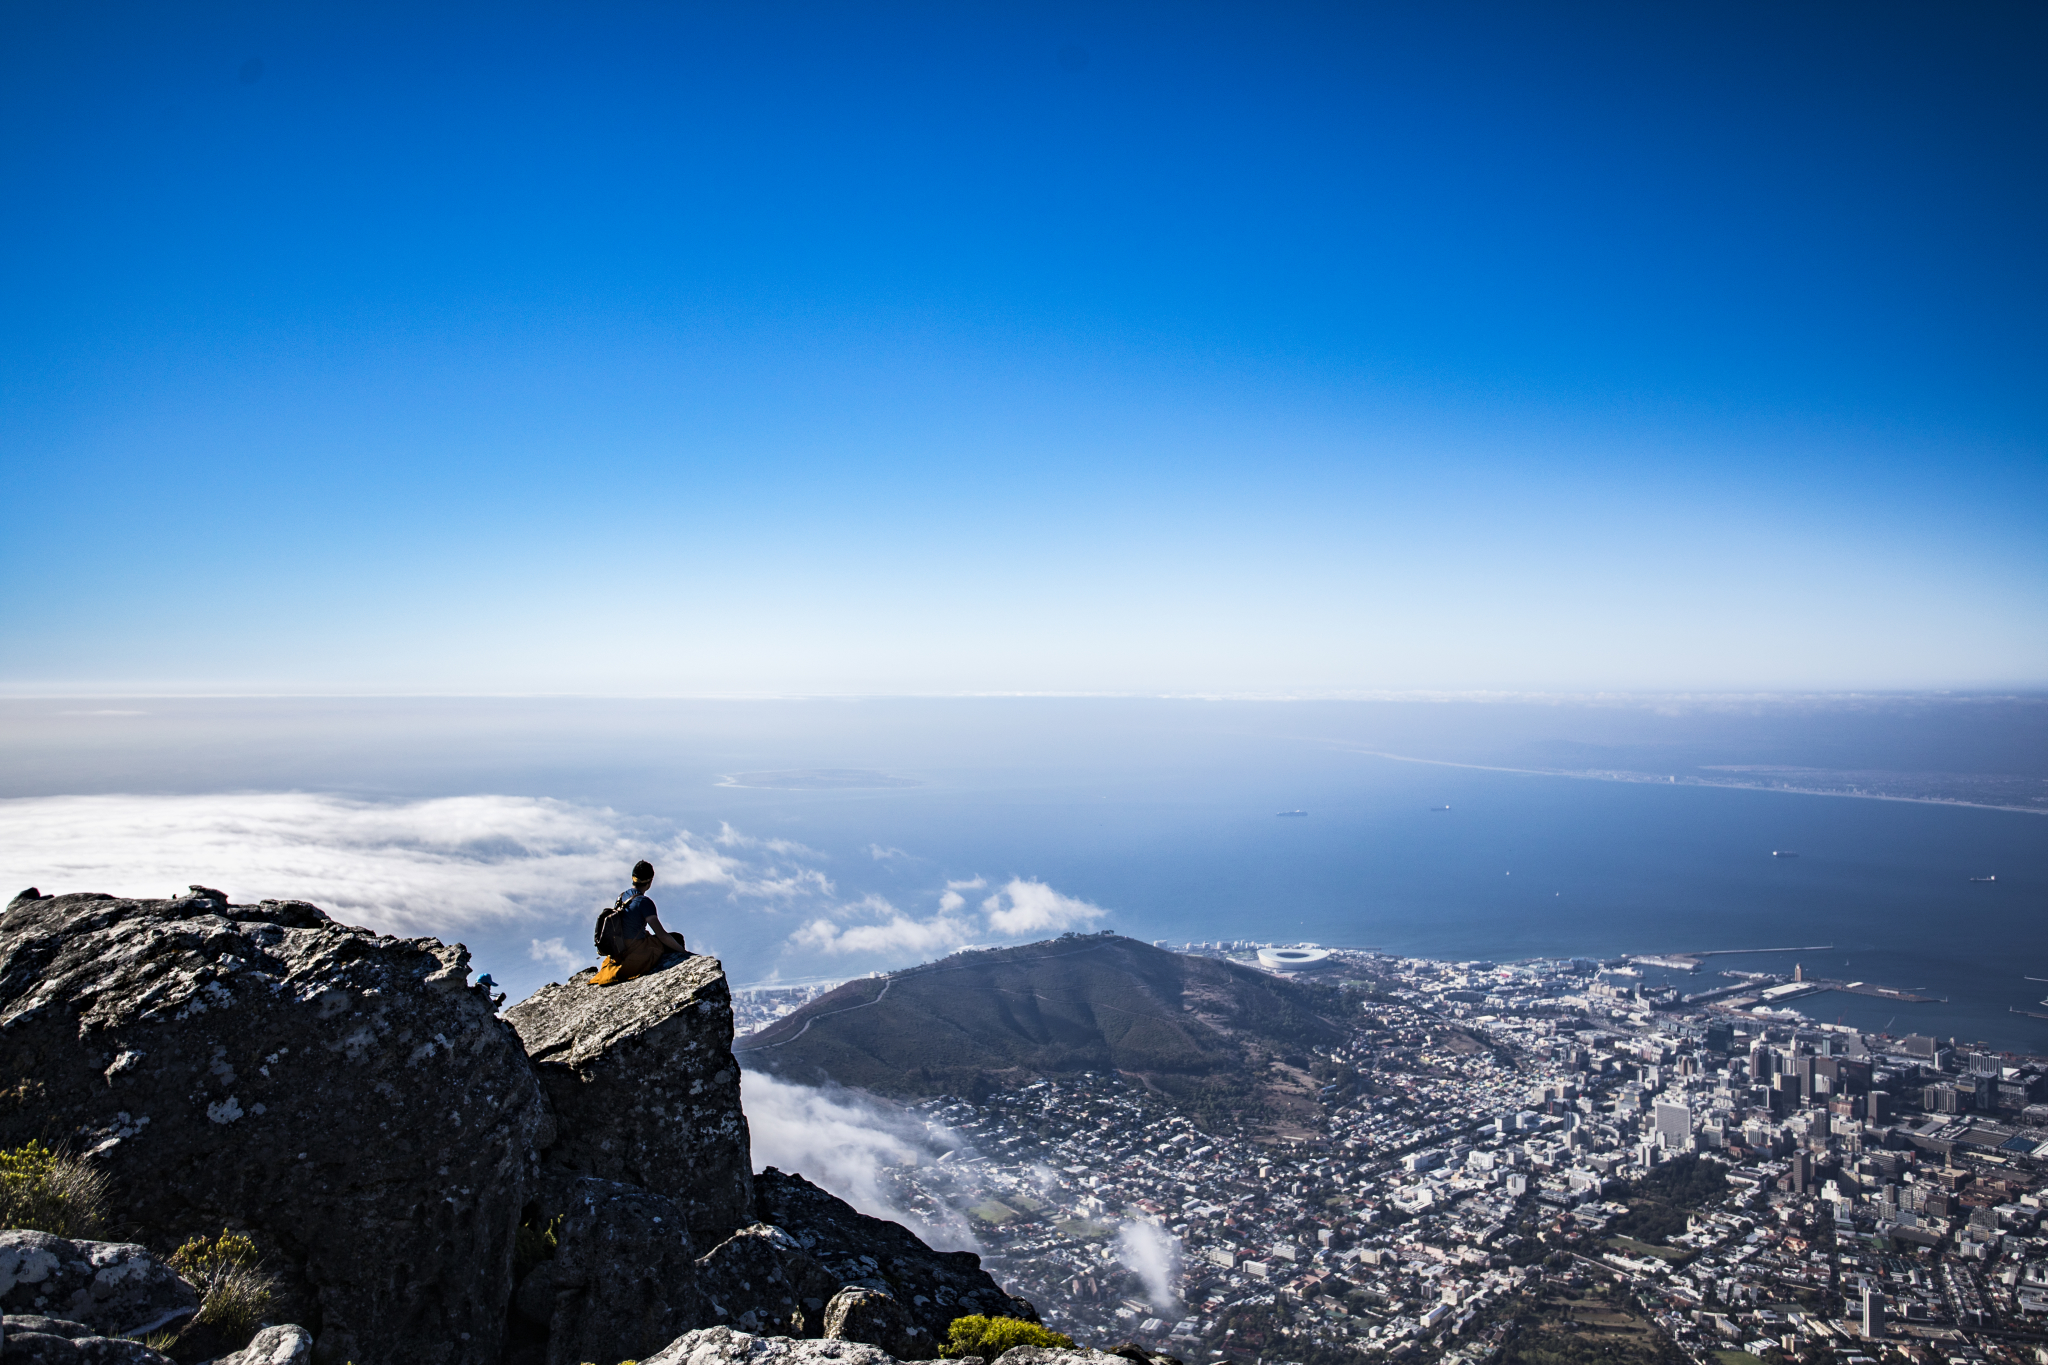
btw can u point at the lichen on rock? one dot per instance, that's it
(645, 1088)
(344, 1097)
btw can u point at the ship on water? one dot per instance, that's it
(1983, 879)
(1780, 853)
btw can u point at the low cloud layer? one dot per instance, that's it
(1028, 907)
(885, 930)
(842, 1141)
(854, 1145)
(1154, 1255)
(518, 878)
(446, 867)
(875, 925)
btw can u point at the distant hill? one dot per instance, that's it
(1212, 1034)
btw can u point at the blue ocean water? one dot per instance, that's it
(1165, 816)
(1517, 867)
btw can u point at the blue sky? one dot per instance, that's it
(885, 348)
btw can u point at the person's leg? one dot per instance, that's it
(643, 955)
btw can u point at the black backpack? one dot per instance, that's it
(609, 921)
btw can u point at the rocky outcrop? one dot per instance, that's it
(621, 1283)
(725, 1346)
(645, 1088)
(352, 1104)
(933, 1287)
(345, 1098)
(112, 1289)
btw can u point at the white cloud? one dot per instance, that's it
(1031, 907)
(843, 1142)
(950, 902)
(891, 931)
(557, 953)
(441, 867)
(971, 884)
(728, 837)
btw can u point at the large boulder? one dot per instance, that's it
(288, 1344)
(621, 1283)
(761, 1280)
(345, 1098)
(933, 1287)
(645, 1087)
(857, 1314)
(114, 1289)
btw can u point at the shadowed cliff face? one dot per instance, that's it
(348, 1098)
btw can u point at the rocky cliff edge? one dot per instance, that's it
(430, 1181)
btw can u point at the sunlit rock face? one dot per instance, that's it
(346, 1097)
(645, 1088)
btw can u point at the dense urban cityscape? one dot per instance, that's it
(1548, 1158)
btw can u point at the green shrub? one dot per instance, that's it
(51, 1192)
(976, 1335)
(234, 1292)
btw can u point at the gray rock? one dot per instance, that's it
(933, 1287)
(55, 1327)
(345, 1098)
(622, 1282)
(1050, 1355)
(645, 1088)
(857, 1314)
(761, 1280)
(288, 1344)
(725, 1346)
(113, 1289)
(34, 1340)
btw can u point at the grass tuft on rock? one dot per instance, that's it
(51, 1192)
(234, 1291)
(978, 1335)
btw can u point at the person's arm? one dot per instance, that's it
(663, 936)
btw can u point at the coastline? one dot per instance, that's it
(1674, 780)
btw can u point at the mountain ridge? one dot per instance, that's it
(1214, 1035)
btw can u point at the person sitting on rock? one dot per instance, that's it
(630, 934)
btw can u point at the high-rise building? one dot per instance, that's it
(1873, 1314)
(1674, 1123)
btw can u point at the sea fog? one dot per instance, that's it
(817, 839)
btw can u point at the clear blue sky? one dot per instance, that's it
(772, 347)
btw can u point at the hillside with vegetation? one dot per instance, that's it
(1207, 1032)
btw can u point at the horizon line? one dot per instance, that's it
(2034, 692)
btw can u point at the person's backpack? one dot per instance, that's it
(610, 920)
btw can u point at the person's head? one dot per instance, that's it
(643, 875)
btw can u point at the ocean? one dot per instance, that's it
(817, 839)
